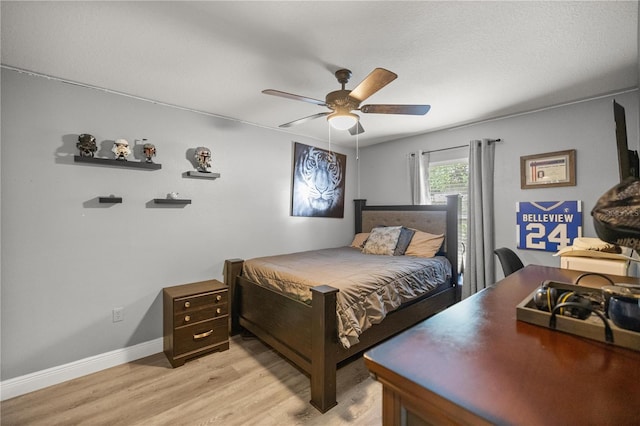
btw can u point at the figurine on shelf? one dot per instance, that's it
(87, 145)
(121, 149)
(149, 151)
(203, 157)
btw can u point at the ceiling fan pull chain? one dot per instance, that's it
(358, 162)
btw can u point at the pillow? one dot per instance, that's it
(359, 240)
(424, 244)
(382, 240)
(406, 234)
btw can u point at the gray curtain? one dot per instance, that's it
(419, 177)
(480, 262)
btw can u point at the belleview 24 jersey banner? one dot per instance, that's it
(548, 225)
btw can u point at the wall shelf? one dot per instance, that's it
(117, 163)
(202, 175)
(171, 201)
(110, 200)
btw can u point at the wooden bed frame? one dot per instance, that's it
(307, 334)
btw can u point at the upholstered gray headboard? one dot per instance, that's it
(434, 222)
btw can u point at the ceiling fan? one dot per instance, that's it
(343, 102)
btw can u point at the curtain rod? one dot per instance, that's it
(456, 147)
(444, 149)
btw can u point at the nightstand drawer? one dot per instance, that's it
(195, 302)
(197, 336)
(192, 316)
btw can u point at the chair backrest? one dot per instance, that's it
(509, 260)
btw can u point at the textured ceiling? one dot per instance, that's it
(470, 61)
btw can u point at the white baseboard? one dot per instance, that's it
(51, 376)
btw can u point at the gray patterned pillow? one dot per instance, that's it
(382, 240)
(404, 240)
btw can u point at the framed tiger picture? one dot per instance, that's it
(318, 182)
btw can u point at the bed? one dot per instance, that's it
(306, 332)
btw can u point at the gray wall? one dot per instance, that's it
(587, 127)
(67, 260)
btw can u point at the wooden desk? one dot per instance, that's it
(476, 364)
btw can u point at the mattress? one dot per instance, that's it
(370, 286)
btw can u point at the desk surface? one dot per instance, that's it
(475, 361)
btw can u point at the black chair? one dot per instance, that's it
(509, 260)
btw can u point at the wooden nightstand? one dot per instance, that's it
(196, 320)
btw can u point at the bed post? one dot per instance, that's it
(323, 347)
(359, 204)
(452, 243)
(232, 270)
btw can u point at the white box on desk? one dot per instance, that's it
(590, 264)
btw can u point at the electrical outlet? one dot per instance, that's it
(118, 314)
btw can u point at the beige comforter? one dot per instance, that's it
(370, 285)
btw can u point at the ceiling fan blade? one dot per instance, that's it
(376, 80)
(356, 129)
(396, 109)
(305, 119)
(294, 97)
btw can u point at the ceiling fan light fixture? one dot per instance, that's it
(343, 120)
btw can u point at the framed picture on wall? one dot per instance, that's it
(548, 170)
(318, 182)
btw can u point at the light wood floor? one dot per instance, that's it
(250, 384)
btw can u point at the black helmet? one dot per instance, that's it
(616, 215)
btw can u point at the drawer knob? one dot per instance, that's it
(187, 318)
(218, 311)
(202, 335)
(187, 304)
(218, 298)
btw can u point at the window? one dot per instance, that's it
(449, 175)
